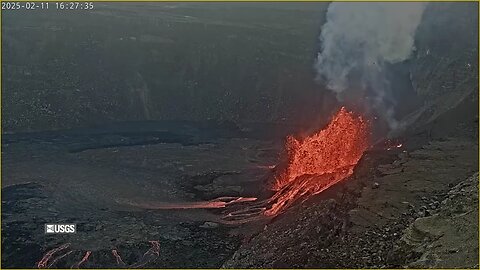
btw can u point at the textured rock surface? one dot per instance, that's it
(408, 207)
(364, 225)
(448, 238)
(75, 178)
(187, 61)
(358, 224)
(444, 73)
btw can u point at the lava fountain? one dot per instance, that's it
(320, 160)
(314, 164)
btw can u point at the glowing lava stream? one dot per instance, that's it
(84, 259)
(320, 160)
(43, 263)
(315, 163)
(120, 262)
(148, 257)
(220, 202)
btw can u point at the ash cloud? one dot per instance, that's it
(358, 41)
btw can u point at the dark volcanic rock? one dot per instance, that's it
(362, 225)
(449, 237)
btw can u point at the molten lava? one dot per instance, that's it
(51, 257)
(340, 145)
(320, 160)
(315, 163)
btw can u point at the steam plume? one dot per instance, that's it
(358, 40)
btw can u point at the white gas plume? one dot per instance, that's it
(358, 40)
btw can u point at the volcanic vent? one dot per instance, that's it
(321, 160)
(314, 164)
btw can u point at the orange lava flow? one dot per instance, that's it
(83, 260)
(315, 163)
(320, 160)
(220, 202)
(43, 263)
(119, 260)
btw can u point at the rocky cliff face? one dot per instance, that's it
(448, 237)
(416, 208)
(182, 61)
(444, 71)
(238, 62)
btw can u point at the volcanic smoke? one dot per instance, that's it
(358, 41)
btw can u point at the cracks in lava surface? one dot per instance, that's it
(120, 262)
(50, 258)
(83, 260)
(315, 163)
(44, 262)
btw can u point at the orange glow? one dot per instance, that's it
(392, 144)
(315, 163)
(220, 202)
(320, 160)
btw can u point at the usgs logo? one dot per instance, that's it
(60, 228)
